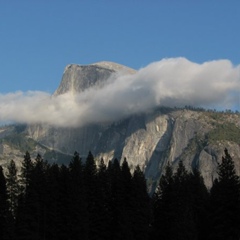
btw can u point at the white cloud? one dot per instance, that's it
(169, 82)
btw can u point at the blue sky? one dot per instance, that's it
(187, 53)
(39, 38)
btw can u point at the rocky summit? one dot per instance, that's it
(151, 140)
(77, 78)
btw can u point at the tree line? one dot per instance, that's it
(85, 201)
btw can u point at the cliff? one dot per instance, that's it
(149, 140)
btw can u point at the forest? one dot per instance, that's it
(84, 201)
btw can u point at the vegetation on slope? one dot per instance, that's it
(19, 141)
(226, 131)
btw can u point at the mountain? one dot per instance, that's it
(77, 78)
(150, 140)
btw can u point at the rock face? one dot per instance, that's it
(77, 78)
(148, 140)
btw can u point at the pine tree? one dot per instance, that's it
(52, 203)
(176, 214)
(64, 210)
(25, 178)
(13, 190)
(127, 214)
(90, 173)
(78, 212)
(24, 216)
(198, 200)
(4, 213)
(36, 200)
(104, 194)
(102, 211)
(116, 201)
(140, 206)
(225, 202)
(166, 181)
(164, 206)
(93, 197)
(186, 229)
(13, 187)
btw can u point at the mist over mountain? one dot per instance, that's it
(118, 112)
(106, 92)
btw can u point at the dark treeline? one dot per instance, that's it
(78, 201)
(83, 201)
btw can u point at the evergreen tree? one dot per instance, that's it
(181, 174)
(225, 202)
(140, 205)
(176, 212)
(4, 213)
(25, 221)
(52, 203)
(102, 211)
(126, 180)
(166, 182)
(78, 213)
(82, 201)
(127, 214)
(116, 201)
(36, 200)
(198, 197)
(90, 173)
(64, 210)
(90, 169)
(94, 198)
(186, 228)
(13, 187)
(13, 190)
(25, 178)
(164, 206)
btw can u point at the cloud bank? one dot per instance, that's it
(169, 82)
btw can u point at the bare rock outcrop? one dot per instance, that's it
(149, 140)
